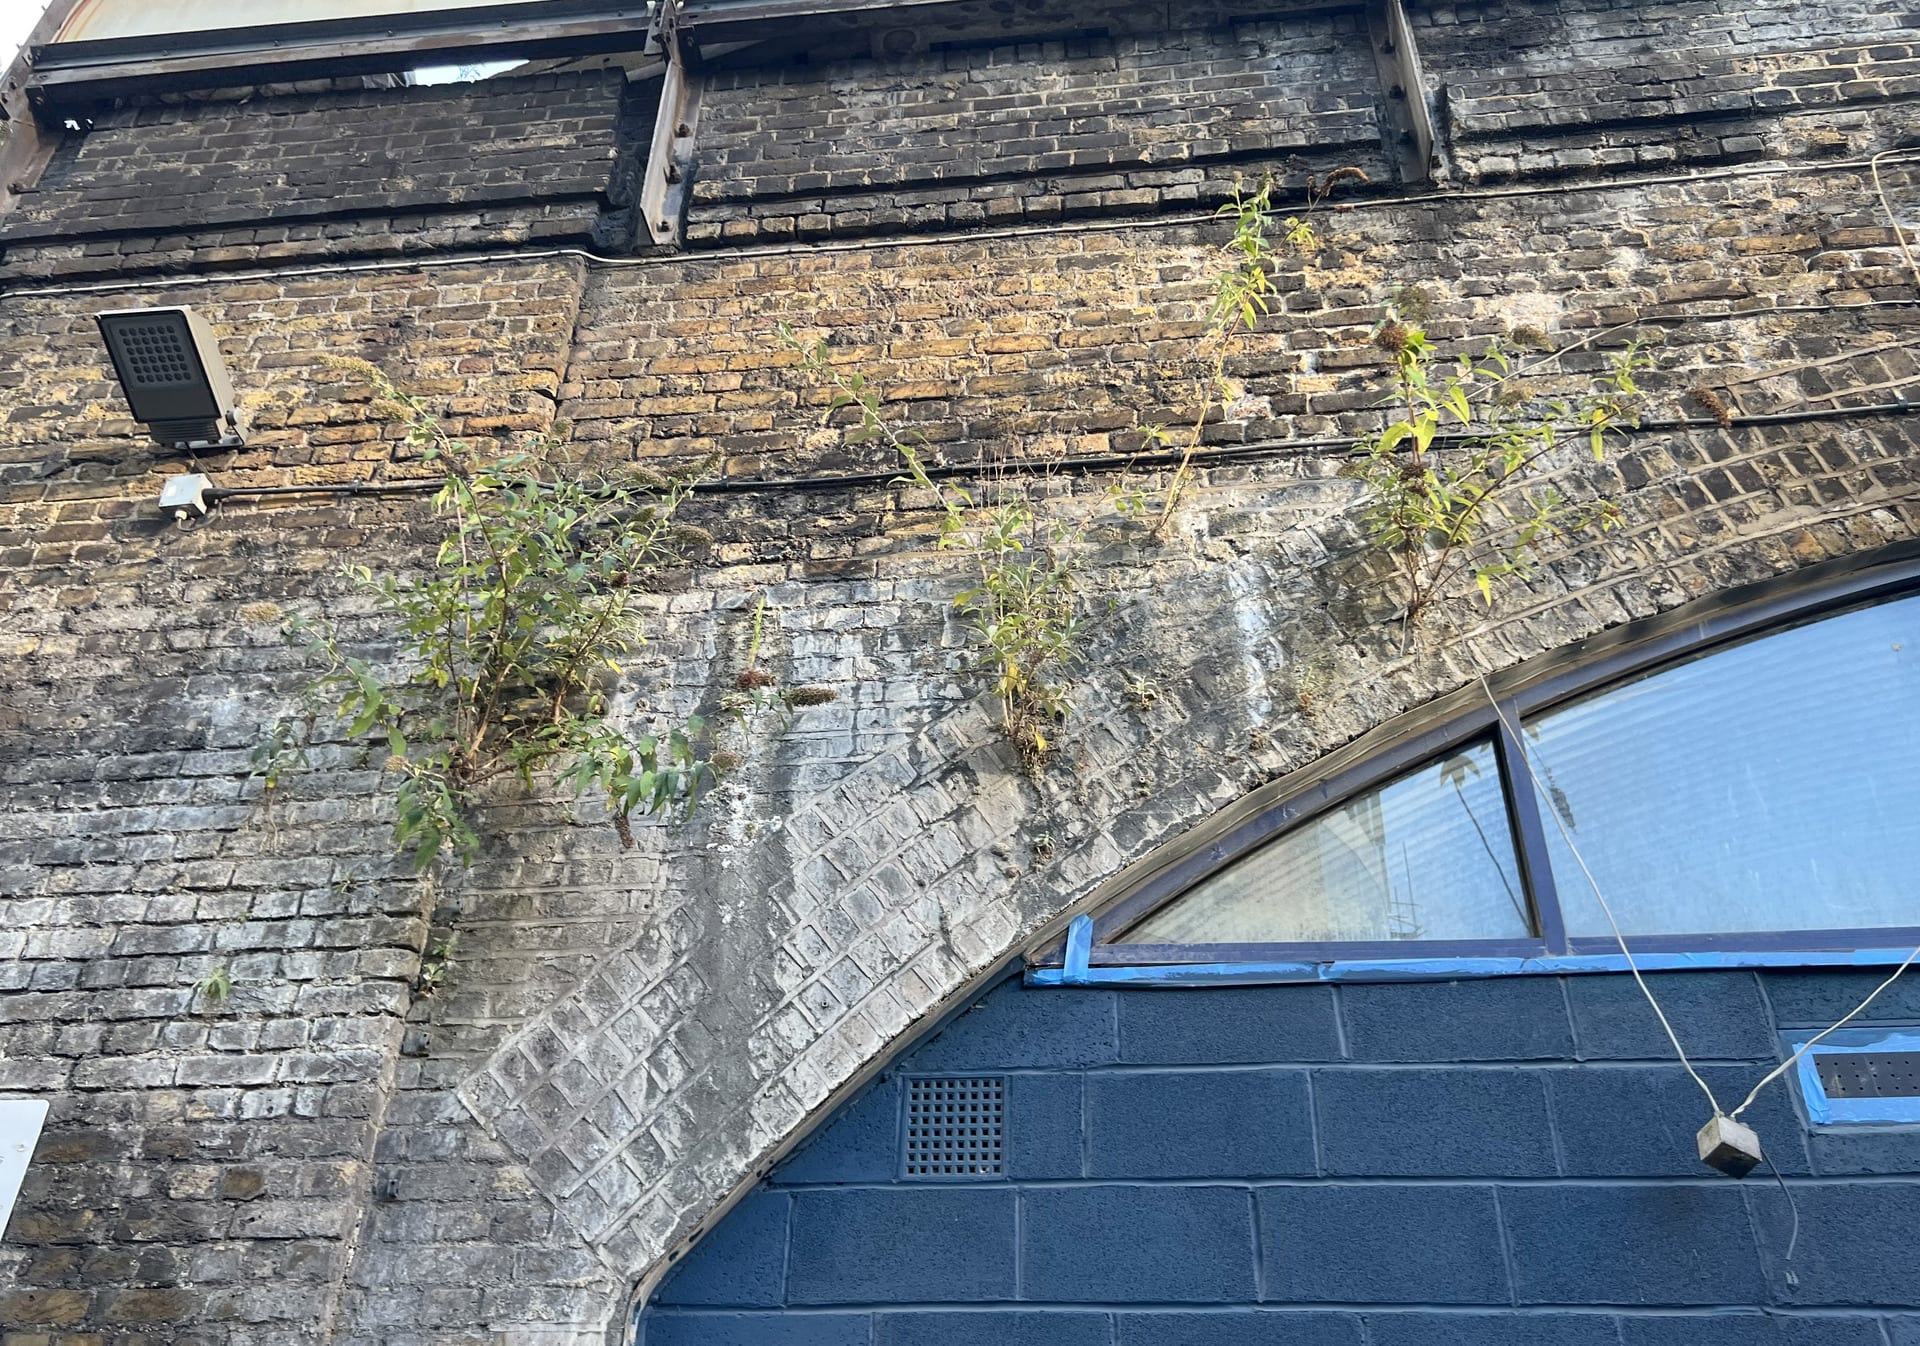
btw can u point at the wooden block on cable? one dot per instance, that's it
(1730, 1146)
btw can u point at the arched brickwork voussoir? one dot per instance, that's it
(888, 898)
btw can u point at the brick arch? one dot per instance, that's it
(1373, 1161)
(934, 818)
(869, 900)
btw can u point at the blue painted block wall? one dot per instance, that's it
(1473, 1163)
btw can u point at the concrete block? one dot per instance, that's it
(1855, 1248)
(1001, 1328)
(1014, 1026)
(1633, 1243)
(1466, 1123)
(860, 1144)
(680, 1328)
(1199, 1124)
(1044, 1126)
(1718, 1016)
(1491, 1329)
(1637, 1121)
(1817, 997)
(907, 1244)
(1496, 1019)
(1382, 1244)
(1864, 1150)
(1237, 1327)
(1748, 1329)
(1228, 1026)
(1134, 1244)
(741, 1262)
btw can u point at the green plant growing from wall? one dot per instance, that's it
(509, 645)
(215, 985)
(1243, 293)
(1452, 480)
(275, 760)
(436, 966)
(1022, 612)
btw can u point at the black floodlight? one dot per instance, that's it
(170, 369)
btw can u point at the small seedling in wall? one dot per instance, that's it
(435, 967)
(214, 986)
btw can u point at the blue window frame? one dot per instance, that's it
(1737, 774)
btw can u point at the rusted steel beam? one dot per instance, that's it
(663, 183)
(1406, 119)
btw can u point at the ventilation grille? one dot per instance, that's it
(955, 1127)
(155, 353)
(1868, 1074)
(1859, 1076)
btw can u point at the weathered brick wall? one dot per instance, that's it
(1577, 87)
(159, 187)
(630, 1036)
(1438, 1164)
(1510, 37)
(1024, 131)
(208, 1164)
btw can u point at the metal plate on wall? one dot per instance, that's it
(20, 1123)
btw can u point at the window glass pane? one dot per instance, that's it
(1428, 857)
(1771, 786)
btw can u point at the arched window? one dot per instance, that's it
(1741, 775)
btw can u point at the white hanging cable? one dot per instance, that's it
(1539, 790)
(1807, 1046)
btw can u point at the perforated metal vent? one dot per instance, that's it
(955, 1127)
(1860, 1075)
(1869, 1074)
(156, 353)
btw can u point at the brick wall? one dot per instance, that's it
(208, 1163)
(1579, 87)
(151, 187)
(996, 133)
(630, 1037)
(1431, 1163)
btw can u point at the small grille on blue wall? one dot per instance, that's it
(1861, 1075)
(955, 1126)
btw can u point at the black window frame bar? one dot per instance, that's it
(1635, 649)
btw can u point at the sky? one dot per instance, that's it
(17, 18)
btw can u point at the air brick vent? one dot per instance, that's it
(1859, 1076)
(955, 1127)
(1869, 1074)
